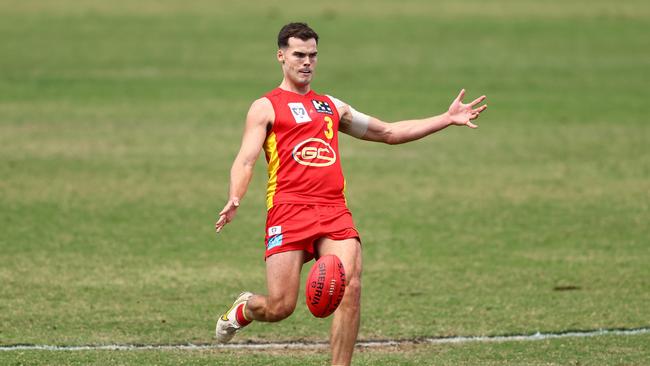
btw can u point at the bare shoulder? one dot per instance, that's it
(341, 107)
(261, 107)
(260, 113)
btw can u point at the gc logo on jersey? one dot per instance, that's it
(322, 107)
(314, 152)
(299, 112)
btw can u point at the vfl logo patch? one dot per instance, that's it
(275, 230)
(299, 112)
(274, 242)
(314, 152)
(322, 107)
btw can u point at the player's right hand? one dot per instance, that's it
(227, 214)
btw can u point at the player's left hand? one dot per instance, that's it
(462, 114)
(227, 214)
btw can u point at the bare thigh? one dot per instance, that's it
(283, 278)
(348, 250)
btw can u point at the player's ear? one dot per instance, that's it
(280, 56)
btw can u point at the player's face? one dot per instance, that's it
(299, 60)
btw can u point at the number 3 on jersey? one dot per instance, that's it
(329, 133)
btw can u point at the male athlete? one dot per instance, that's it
(307, 213)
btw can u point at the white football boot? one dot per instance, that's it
(227, 324)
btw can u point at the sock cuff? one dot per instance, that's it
(240, 315)
(243, 311)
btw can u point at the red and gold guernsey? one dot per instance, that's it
(302, 151)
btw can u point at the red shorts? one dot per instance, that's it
(298, 226)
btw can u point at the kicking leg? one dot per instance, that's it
(283, 281)
(345, 325)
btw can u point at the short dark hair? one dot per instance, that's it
(298, 30)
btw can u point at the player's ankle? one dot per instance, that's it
(240, 315)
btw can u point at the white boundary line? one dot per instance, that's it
(311, 345)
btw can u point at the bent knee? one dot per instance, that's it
(353, 287)
(352, 297)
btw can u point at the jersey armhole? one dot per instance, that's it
(275, 113)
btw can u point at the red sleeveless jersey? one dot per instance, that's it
(302, 150)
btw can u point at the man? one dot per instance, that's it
(307, 213)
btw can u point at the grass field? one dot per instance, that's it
(119, 121)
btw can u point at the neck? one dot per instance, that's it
(298, 89)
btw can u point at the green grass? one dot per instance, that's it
(604, 350)
(119, 122)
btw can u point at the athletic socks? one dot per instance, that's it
(240, 315)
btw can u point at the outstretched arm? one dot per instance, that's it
(259, 116)
(459, 114)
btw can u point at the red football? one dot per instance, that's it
(325, 286)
